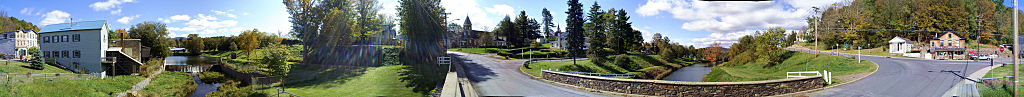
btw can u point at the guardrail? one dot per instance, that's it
(595, 74)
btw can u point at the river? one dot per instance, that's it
(201, 88)
(692, 73)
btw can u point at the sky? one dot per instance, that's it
(204, 17)
(687, 22)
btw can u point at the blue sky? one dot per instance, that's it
(205, 17)
(687, 22)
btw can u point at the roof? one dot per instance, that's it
(82, 25)
(897, 39)
(943, 34)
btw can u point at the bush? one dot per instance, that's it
(656, 72)
(212, 77)
(623, 61)
(391, 56)
(234, 89)
(639, 75)
(151, 67)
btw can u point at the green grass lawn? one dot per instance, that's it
(585, 65)
(879, 51)
(22, 67)
(67, 88)
(170, 84)
(998, 87)
(478, 50)
(375, 81)
(798, 62)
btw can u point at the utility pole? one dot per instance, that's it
(1015, 51)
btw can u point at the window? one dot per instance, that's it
(78, 54)
(75, 37)
(56, 54)
(46, 54)
(44, 39)
(65, 38)
(66, 55)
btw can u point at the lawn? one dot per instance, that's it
(640, 62)
(82, 88)
(879, 51)
(478, 50)
(798, 62)
(22, 67)
(170, 84)
(374, 81)
(998, 87)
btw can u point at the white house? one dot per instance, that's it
(15, 44)
(900, 45)
(79, 46)
(559, 42)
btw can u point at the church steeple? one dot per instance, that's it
(467, 24)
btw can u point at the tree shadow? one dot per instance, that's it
(477, 72)
(300, 75)
(603, 66)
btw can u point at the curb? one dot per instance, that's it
(803, 93)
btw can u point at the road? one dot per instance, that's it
(900, 77)
(496, 77)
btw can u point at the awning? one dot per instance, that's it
(947, 49)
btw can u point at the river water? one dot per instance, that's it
(692, 73)
(201, 88)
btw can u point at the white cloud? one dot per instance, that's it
(126, 19)
(203, 24)
(726, 39)
(727, 21)
(118, 11)
(55, 17)
(654, 7)
(225, 13)
(179, 18)
(461, 9)
(27, 11)
(113, 5)
(502, 10)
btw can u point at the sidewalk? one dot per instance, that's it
(967, 88)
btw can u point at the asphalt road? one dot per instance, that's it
(898, 77)
(496, 77)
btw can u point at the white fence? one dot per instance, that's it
(827, 75)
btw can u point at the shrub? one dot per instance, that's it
(212, 77)
(656, 72)
(391, 56)
(234, 89)
(151, 67)
(623, 61)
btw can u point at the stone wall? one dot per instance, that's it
(677, 88)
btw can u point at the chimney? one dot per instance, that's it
(71, 24)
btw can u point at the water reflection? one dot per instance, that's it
(692, 73)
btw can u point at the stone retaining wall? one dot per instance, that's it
(678, 88)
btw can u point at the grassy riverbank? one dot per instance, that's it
(170, 84)
(798, 62)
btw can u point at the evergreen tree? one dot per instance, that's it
(526, 30)
(595, 34)
(547, 25)
(574, 27)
